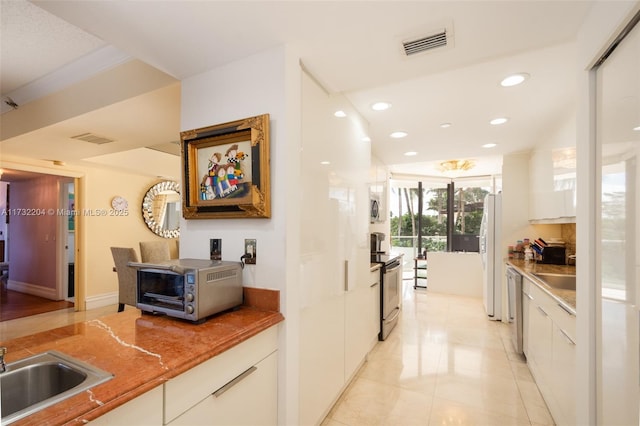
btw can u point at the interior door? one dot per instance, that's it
(618, 121)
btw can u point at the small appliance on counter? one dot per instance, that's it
(190, 289)
(376, 242)
(554, 255)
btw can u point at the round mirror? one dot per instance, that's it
(161, 209)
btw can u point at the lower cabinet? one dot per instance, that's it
(564, 376)
(237, 387)
(145, 410)
(549, 336)
(251, 400)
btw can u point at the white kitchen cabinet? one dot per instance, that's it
(540, 342)
(246, 373)
(375, 300)
(334, 249)
(526, 323)
(145, 410)
(552, 185)
(563, 376)
(549, 342)
(359, 331)
(250, 401)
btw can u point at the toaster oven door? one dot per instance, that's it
(161, 291)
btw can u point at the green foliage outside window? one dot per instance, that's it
(468, 206)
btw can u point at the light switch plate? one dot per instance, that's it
(250, 248)
(215, 249)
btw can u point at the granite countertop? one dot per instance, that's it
(566, 297)
(142, 351)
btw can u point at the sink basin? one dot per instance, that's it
(33, 383)
(559, 281)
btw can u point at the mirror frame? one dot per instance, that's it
(147, 208)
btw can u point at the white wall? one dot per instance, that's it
(268, 82)
(98, 284)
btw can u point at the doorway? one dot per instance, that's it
(38, 229)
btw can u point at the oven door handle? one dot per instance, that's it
(394, 266)
(394, 314)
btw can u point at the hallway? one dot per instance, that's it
(444, 364)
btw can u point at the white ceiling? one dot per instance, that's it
(351, 47)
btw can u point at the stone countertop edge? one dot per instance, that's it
(566, 297)
(142, 351)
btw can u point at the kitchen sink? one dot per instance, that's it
(33, 383)
(559, 281)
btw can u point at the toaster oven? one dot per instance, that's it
(554, 255)
(190, 289)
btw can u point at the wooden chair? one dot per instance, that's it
(154, 251)
(127, 276)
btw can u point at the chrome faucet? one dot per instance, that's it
(3, 367)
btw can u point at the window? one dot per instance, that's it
(421, 209)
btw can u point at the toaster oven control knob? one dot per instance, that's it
(189, 309)
(189, 297)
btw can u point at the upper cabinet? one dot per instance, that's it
(552, 173)
(553, 185)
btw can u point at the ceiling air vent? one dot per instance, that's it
(91, 138)
(425, 43)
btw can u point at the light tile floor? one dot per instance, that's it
(444, 364)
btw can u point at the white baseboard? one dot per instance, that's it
(101, 300)
(34, 290)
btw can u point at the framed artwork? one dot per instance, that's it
(226, 170)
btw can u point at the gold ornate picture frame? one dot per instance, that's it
(226, 170)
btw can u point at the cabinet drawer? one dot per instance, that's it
(145, 410)
(186, 390)
(252, 401)
(564, 320)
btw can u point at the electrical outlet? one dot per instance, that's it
(250, 248)
(215, 249)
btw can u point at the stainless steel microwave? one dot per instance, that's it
(190, 289)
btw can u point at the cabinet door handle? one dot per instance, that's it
(564, 308)
(542, 311)
(374, 284)
(346, 275)
(566, 336)
(234, 382)
(528, 295)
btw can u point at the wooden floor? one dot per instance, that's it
(14, 305)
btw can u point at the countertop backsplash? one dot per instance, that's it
(569, 237)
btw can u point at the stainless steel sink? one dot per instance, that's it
(559, 281)
(33, 383)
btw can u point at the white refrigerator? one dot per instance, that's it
(491, 255)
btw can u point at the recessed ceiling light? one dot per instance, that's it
(514, 79)
(381, 106)
(410, 153)
(489, 145)
(366, 139)
(637, 128)
(325, 163)
(398, 135)
(340, 114)
(446, 125)
(500, 120)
